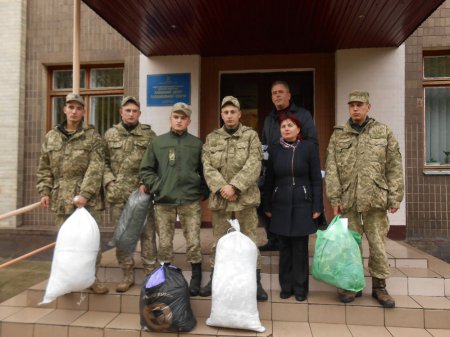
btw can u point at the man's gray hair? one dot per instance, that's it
(283, 83)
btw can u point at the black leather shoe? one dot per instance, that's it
(269, 247)
(300, 298)
(285, 294)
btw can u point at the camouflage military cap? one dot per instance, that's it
(358, 96)
(130, 99)
(230, 100)
(74, 98)
(183, 107)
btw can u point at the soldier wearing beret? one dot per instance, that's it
(71, 168)
(364, 181)
(232, 164)
(126, 143)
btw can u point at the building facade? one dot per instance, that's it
(427, 127)
(112, 66)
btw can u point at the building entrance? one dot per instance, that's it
(253, 92)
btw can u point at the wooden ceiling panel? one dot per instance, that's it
(236, 27)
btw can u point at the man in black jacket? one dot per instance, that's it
(281, 98)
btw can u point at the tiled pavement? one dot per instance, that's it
(420, 285)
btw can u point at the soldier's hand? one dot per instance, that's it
(45, 201)
(233, 198)
(392, 210)
(110, 184)
(80, 201)
(338, 210)
(268, 214)
(143, 189)
(227, 192)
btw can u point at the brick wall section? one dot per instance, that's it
(12, 81)
(428, 197)
(49, 42)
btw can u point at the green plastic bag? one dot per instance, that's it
(337, 259)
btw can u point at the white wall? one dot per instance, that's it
(381, 72)
(158, 117)
(12, 88)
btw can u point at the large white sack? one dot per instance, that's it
(234, 302)
(73, 265)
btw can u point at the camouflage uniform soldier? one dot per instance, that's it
(126, 143)
(172, 170)
(70, 168)
(364, 178)
(232, 164)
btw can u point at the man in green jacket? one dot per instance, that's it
(125, 144)
(172, 170)
(71, 168)
(364, 180)
(232, 163)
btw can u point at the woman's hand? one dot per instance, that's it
(268, 214)
(316, 215)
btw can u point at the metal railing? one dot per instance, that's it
(34, 252)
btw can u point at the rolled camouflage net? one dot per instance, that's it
(132, 221)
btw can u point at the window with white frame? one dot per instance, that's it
(101, 87)
(436, 74)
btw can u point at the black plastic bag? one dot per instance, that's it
(165, 303)
(132, 221)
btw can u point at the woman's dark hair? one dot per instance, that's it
(295, 120)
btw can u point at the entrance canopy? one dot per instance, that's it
(245, 27)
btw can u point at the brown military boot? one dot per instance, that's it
(347, 296)
(380, 293)
(99, 288)
(127, 281)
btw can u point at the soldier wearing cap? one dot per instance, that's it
(172, 170)
(71, 167)
(232, 163)
(364, 181)
(125, 144)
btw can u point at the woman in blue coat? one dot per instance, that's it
(292, 199)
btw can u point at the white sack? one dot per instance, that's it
(234, 302)
(73, 265)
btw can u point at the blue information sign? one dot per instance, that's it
(168, 89)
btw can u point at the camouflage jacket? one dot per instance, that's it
(232, 159)
(364, 171)
(123, 154)
(71, 166)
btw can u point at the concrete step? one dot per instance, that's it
(403, 280)
(95, 315)
(420, 285)
(321, 306)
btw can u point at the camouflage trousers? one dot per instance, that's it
(190, 217)
(375, 225)
(61, 218)
(148, 242)
(248, 221)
